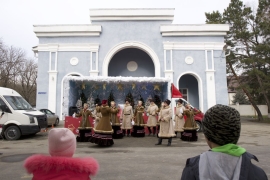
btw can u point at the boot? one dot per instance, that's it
(149, 129)
(154, 131)
(157, 131)
(124, 132)
(175, 134)
(128, 132)
(159, 141)
(169, 142)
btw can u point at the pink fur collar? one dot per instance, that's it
(47, 163)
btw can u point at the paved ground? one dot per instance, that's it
(134, 158)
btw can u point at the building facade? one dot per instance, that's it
(137, 43)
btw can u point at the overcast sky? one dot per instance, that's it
(17, 17)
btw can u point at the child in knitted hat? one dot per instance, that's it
(225, 160)
(60, 165)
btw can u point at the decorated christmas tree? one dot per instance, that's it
(141, 99)
(91, 102)
(97, 100)
(157, 100)
(130, 98)
(147, 103)
(83, 98)
(110, 98)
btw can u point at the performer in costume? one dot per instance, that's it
(138, 127)
(152, 119)
(117, 131)
(158, 124)
(190, 127)
(166, 124)
(103, 132)
(126, 117)
(179, 118)
(97, 114)
(85, 126)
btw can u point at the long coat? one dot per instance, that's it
(127, 115)
(138, 116)
(179, 118)
(60, 168)
(85, 123)
(190, 123)
(152, 110)
(166, 126)
(114, 118)
(97, 116)
(104, 125)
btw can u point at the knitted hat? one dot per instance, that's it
(104, 101)
(221, 125)
(62, 142)
(167, 101)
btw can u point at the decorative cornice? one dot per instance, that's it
(67, 30)
(193, 45)
(194, 30)
(132, 14)
(67, 47)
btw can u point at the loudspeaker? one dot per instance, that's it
(72, 110)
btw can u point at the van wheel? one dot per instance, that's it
(12, 133)
(56, 122)
(199, 125)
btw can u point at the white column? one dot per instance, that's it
(52, 87)
(168, 73)
(92, 71)
(52, 90)
(210, 81)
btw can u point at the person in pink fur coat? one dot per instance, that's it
(60, 165)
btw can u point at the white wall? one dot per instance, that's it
(248, 110)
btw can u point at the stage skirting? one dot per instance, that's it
(73, 123)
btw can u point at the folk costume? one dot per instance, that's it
(117, 131)
(85, 125)
(158, 124)
(61, 165)
(103, 132)
(190, 127)
(152, 111)
(179, 118)
(166, 124)
(97, 115)
(126, 117)
(138, 127)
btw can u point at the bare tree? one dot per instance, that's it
(11, 60)
(26, 80)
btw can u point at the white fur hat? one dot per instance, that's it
(62, 142)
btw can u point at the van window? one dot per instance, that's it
(18, 103)
(2, 102)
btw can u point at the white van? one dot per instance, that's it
(17, 116)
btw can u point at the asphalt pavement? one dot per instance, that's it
(133, 158)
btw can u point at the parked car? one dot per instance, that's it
(52, 118)
(198, 117)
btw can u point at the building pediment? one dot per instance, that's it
(129, 14)
(67, 30)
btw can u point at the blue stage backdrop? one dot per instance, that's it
(101, 87)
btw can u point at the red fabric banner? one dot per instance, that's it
(175, 92)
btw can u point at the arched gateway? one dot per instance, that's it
(131, 45)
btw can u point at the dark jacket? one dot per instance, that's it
(248, 170)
